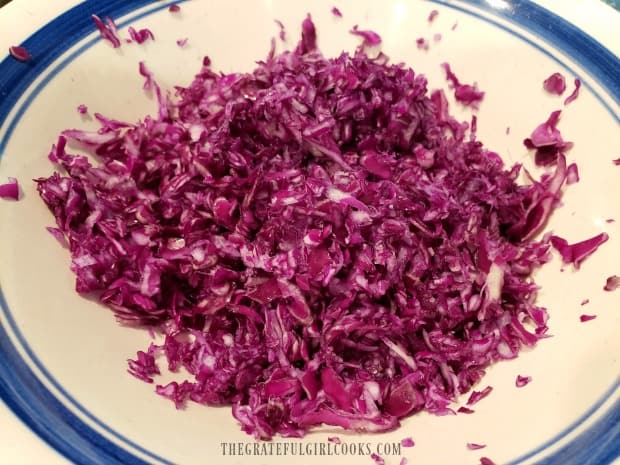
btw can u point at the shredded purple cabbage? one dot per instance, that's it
(174, 8)
(547, 140)
(141, 35)
(555, 84)
(474, 446)
(377, 459)
(477, 396)
(522, 380)
(59, 236)
(319, 241)
(336, 12)
(584, 318)
(144, 366)
(578, 252)
(572, 174)
(432, 15)
(573, 96)
(407, 442)
(19, 53)
(612, 283)
(10, 190)
(108, 30)
(468, 95)
(282, 33)
(371, 38)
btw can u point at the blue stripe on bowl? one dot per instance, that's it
(51, 41)
(603, 65)
(25, 395)
(572, 41)
(20, 388)
(598, 445)
(55, 423)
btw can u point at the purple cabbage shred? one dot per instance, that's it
(19, 53)
(377, 459)
(371, 38)
(547, 140)
(578, 252)
(477, 396)
(282, 33)
(573, 96)
(10, 190)
(108, 30)
(612, 283)
(572, 174)
(141, 35)
(468, 95)
(318, 241)
(522, 380)
(555, 84)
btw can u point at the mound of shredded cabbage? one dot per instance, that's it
(319, 241)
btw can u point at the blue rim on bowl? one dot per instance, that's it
(76, 439)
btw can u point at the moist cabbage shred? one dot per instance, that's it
(318, 241)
